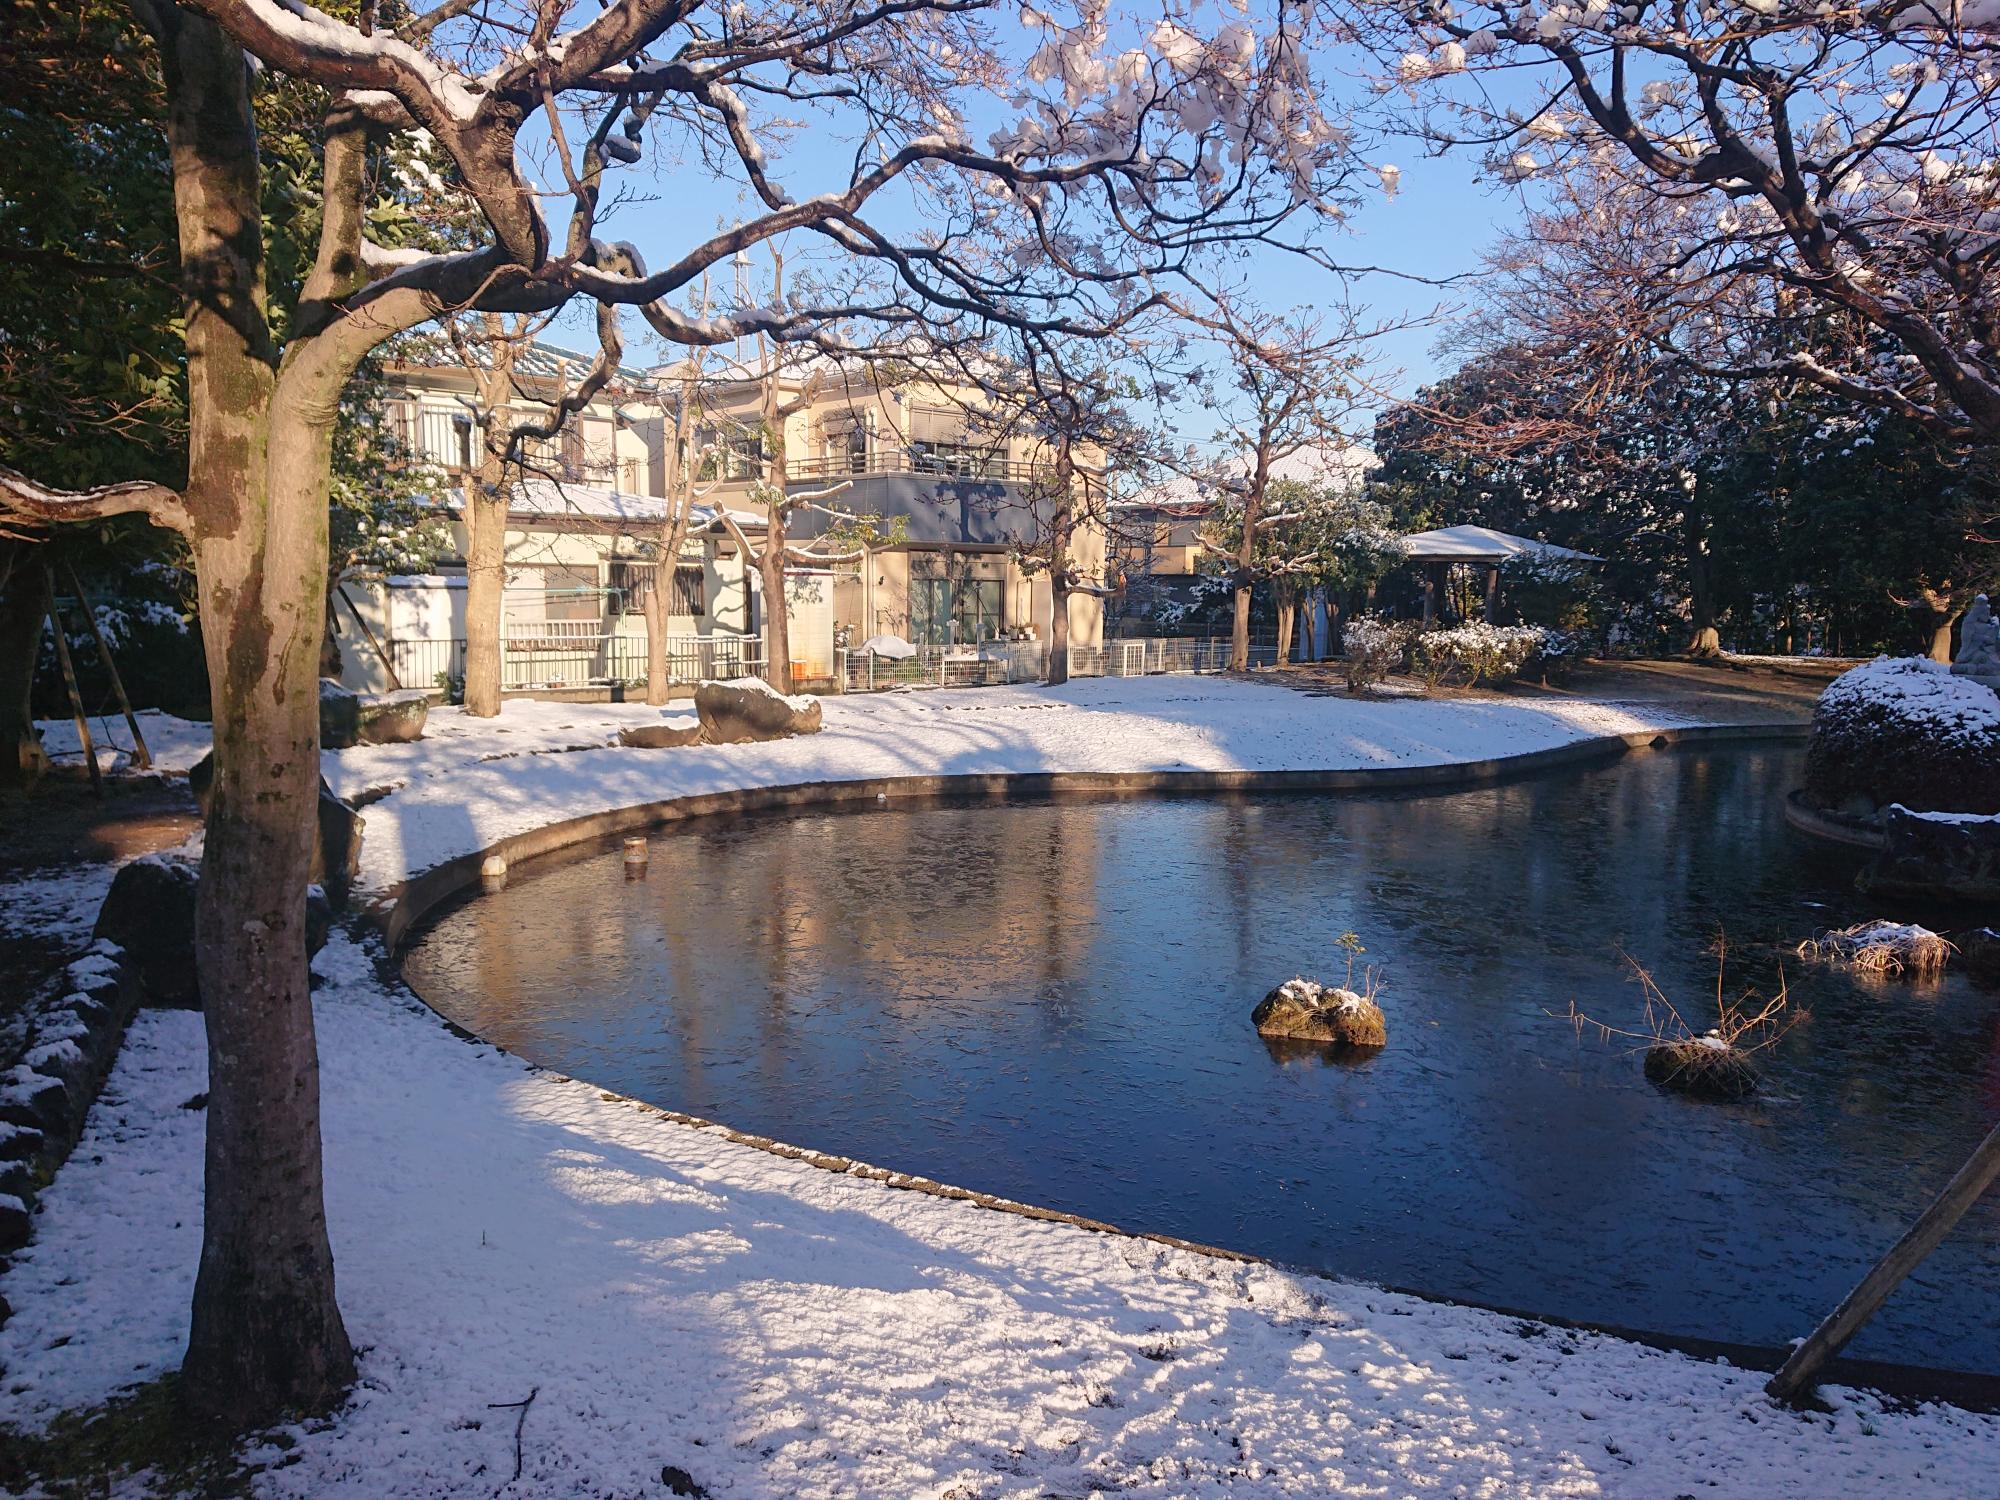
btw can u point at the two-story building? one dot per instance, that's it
(950, 482)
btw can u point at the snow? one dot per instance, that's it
(1944, 817)
(175, 744)
(451, 795)
(1919, 691)
(775, 1329)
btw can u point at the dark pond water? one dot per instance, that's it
(1051, 1002)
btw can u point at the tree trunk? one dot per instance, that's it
(1058, 672)
(21, 617)
(1707, 640)
(1940, 648)
(777, 624)
(1286, 620)
(1246, 559)
(485, 591)
(266, 1336)
(486, 524)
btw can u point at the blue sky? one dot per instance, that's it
(1439, 225)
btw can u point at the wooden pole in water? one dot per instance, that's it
(1801, 1371)
(69, 681)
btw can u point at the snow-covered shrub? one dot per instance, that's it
(1475, 652)
(1904, 729)
(1372, 648)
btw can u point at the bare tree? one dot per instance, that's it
(1122, 171)
(1841, 155)
(1286, 392)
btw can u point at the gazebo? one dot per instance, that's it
(1478, 546)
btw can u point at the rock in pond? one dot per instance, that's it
(749, 710)
(1303, 1010)
(1930, 856)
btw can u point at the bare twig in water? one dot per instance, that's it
(519, 1422)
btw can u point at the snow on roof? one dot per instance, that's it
(1483, 544)
(546, 499)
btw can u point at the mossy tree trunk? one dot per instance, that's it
(266, 1335)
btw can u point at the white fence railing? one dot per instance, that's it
(554, 654)
(994, 663)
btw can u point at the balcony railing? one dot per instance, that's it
(956, 465)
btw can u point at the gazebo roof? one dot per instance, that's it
(1483, 544)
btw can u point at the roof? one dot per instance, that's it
(1483, 544)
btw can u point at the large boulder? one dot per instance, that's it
(660, 736)
(1936, 857)
(1302, 1010)
(151, 915)
(337, 848)
(348, 718)
(149, 912)
(1905, 730)
(749, 709)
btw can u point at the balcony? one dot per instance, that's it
(937, 463)
(945, 493)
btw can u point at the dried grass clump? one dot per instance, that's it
(1713, 1064)
(1704, 1065)
(1898, 948)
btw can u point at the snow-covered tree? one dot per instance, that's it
(1114, 157)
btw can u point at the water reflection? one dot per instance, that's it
(1051, 1002)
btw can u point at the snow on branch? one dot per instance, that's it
(22, 497)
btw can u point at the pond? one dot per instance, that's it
(1051, 1002)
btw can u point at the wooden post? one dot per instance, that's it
(141, 756)
(69, 681)
(1801, 1371)
(395, 682)
(1430, 595)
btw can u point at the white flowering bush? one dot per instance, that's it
(1372, 648)
(1475, 652)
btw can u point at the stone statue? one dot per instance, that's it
(1978, 644)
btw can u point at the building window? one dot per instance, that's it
(731, 454)
(954, 611)
(571, 594)
(444, 437)
(631, 582)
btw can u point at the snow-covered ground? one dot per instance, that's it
(174, 744)
(674, 1298)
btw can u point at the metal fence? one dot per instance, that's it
(556, 654)
(996, 663)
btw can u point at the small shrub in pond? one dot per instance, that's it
(1882, 948)
(1713, 1064)
(1303, 1010)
